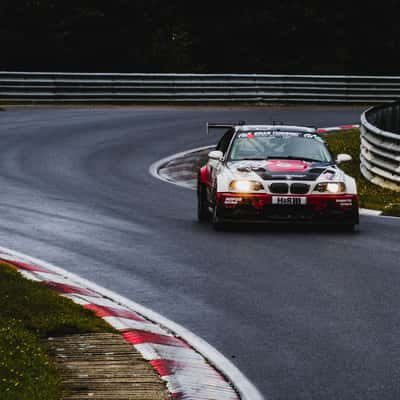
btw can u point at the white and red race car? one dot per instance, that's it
(275, 173)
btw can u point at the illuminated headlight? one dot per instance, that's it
(331, 187)
(244, 186)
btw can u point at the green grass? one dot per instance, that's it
(29, 313)
(371, 196)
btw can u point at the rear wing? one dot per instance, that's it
(223, 125)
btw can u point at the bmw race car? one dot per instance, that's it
(275, 173)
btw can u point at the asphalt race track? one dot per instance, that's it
(305, 314)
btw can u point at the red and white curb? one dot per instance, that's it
(191, 368)
(338, 128)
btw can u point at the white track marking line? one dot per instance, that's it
(97, 301)
(154, 168)
(29, 275)
(366, 211)
(166, 352)
(124, 324)
(196, 390)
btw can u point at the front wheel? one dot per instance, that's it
(216, 220)
(203, 213)
(348, 227)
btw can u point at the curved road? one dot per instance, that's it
(305, 314)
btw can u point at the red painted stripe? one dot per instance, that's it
(140, 337)
(103, 311)
(337, 128)
(61, 287)
(348, 126)
(177, 396)
(27, 267)
(167, 367)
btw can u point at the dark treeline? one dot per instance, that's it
(206, 37)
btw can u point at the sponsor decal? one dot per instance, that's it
(251, 135)
(287, 165)
(344, 202)
(232, 200)
(289, 200)
(275, 169)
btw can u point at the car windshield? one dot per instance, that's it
(266, 145)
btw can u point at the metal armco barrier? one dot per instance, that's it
(380, 145)
(90, 87)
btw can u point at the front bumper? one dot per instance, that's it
(337, 209)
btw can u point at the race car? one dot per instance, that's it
(275, 173)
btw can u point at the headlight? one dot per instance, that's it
(331, 187)
(244, 186)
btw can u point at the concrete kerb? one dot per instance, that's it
(191, 368)
(156, 166)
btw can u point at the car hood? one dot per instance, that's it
(299, 170)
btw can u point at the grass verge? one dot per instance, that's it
(29, 313)
(371, 196)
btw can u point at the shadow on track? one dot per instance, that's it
(276, 228)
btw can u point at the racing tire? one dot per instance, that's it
(343, 227)
(217, 223)
(203, 213)
(348, 227)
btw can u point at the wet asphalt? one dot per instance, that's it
(304, 313)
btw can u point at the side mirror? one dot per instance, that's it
(343, 158)
(215, 155)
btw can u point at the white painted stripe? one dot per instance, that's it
(98, 301)
(245, 388)
(366, 211)
(154, 168)
(56, 278)
(204, 376)
(198, 369)
(167, 352)
(76, 298)
(147, 351)
(199, 390)
(29, 275)
(124, 324)
(7, 256)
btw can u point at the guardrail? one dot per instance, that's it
(380, 145)
(90, 87)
